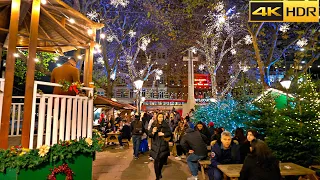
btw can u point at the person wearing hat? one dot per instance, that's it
(211, 128)
(67, 72)
(137, 130)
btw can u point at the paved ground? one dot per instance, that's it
(118, 164)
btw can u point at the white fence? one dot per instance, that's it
(61, 117)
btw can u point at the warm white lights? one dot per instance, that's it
(56, 58)
(90, 31)
(79, 57)
(102, 36)
(71, 20)
(36, 60)
(15, 55)
(138, 84)
(43, 1)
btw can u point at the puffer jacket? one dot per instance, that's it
(159, 146)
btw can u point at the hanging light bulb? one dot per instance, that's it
(90, 31)
(102, 36)
(71, 20)
(15, 55)
(79, 57)
(97, 45)
(43, 2)
(36, 60)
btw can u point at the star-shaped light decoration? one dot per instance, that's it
(132, 33)
(109, 38)
(284, 27)
(93, 15)
(100, 60)
(159, 72)
(122, 3)
(201, 67)
(248, 39)
(233, 51)
(302, 42)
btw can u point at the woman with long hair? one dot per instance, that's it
(260, 164)
(202, 128)
(177, 135)
(159, 132)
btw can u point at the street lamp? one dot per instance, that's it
(138, 85)
(285, 83)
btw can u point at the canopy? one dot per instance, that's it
(101, 100)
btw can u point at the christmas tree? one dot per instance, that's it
(227, 113)
(293, 132)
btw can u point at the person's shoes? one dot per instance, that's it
(121, 147)
(178, 158)
(135, 158)
(183, 156)
(192, 178)
(151, 159)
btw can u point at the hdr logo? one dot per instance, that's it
(284, 11)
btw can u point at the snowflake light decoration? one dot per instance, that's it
(201, 67)
(248, 39)
(144, 43)
(159, 72)
(284, 27)
(122, 3)
(158, 77)
(132, 33)
(302, 42)
(109, 38)
(93, 15)
(100, 60)
(233, 51)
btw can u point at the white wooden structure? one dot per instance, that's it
(55, 117)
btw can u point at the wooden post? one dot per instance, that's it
(90, 63)
(9, 75)
(30, 73)
(86, 67)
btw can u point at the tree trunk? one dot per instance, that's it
(213, 85)
(259, 61)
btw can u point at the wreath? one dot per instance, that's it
(61, 169)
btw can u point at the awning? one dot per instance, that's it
(101, 100)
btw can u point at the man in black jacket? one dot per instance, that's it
(226, 152)
(125, 133)
(137, 130)
(194, 143)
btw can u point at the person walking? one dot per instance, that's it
(159, 146)
(137, 130)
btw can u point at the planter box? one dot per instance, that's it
(80, 164)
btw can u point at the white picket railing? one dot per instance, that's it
(61, 117)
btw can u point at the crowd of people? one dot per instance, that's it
(192, 141)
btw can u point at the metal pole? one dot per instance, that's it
(138, 102)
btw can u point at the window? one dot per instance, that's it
(122, 94)
(161, 94)
(143, 93)
(151, 94)
(131, 93)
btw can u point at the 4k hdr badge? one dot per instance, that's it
(284, 11)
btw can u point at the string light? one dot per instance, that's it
(56, 58)
(102, 36)
(71, 20)
(36, 60)
(90, 31)
(16, 55)
(43, 2)
(79, 57)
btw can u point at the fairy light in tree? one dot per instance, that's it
(302, 42)
(144, 43)
(284, 27)
(233, 51)
(110, 38)
(102, 36)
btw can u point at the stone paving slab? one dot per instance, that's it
(119, 164)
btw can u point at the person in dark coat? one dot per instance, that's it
(226, 152)
(211, 128)
(260, 164)
(239, 136)
(159, 133)
(202, 128)
(195, 143)
(137, 130)
(245, 148)
(125, 133)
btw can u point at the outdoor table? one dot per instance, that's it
(286, 169)
(112, 137)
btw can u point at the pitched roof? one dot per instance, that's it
(56, 33)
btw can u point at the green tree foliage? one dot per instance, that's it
(41, 66)
(293, 133)
(227, 113)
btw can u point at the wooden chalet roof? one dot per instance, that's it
(56, 33)
(101, 100)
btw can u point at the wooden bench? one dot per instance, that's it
(204, 164)
(125, 142)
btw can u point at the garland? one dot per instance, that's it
(61, 169)
(71, 87)
(22, 158)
